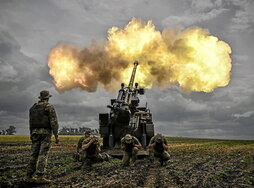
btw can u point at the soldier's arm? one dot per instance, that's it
(30, 128)
(122, 144)
(30, 114)
(79, 146)
(151, 143)
(137, 143)
(165, 143)
(53, 121)
(87, 143)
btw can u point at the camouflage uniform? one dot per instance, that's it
(130, 151)
(91, 154)
(79, 146)
(158, 150)
(42, 123)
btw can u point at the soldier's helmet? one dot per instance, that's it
(128, 138)
(158, 138)
(44, 94)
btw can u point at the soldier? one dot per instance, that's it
(158, 148)
(90, 152)
(130, 145)
(42, 123)
(80, 143)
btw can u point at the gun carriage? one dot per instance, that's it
(126, 117)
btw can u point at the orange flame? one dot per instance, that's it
(191, 58)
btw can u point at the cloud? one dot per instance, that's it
(244, 115)
(29, 29)
(198, 12)
(243, 19)
(243, 22)
(19, 73)
(192, 19)
(235, 16)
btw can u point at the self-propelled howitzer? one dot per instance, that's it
(126, 117)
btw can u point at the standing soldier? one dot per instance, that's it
(130, 145)
(158, 148)
(42, 123)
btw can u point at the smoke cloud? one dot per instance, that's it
(191, 58)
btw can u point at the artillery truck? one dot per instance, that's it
(126, 117)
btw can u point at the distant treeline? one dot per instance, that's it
(77, 131)
(10, 131)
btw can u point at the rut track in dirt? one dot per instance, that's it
(193, 164)
(114, 175)
(159, 176)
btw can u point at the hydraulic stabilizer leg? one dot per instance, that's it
(111, 138)
(143, 139)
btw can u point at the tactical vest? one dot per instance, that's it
(159, 147)
(39, 117)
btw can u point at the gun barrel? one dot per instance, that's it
(133, 74)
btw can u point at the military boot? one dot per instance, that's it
(86, 164)
(43, 180)
(30, 179)
(161, 161)
(107, 157)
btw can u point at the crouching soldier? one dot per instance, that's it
(158, 148)
(90, 152)
(130, 145)
(79, 154)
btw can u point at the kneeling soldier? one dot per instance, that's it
(130, 145)
(79, 153)
(158, 148)
(91, 152)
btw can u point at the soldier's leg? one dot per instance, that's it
(31, 168)
(161, 159)
(151, 154)
(83, 155)
(87, 162)
(105, 156)
(85, 159)
(159, 156)
(134, 154)
(97, 158)
(165, 156)
(43, 155)
(126, 159)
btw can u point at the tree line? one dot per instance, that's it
(10, 131)
(77, 131)
(63, 131)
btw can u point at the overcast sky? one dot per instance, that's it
(30, 28)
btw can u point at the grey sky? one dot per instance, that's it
(30, 28)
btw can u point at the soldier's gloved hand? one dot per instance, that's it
(56, 140)
(91, 140)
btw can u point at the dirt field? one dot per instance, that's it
(194, 163)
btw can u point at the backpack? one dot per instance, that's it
(39, 116)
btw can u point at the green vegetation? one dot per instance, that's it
(14, 138)
(194, 163)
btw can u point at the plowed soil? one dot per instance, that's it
(194, 163)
